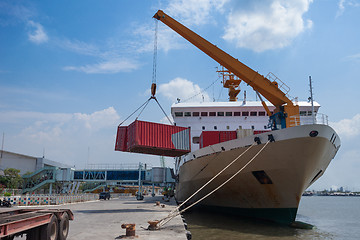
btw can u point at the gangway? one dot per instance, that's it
(71, 178)
(39, 178)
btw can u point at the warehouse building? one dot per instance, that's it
(26, 163)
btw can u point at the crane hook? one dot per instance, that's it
(153, 89)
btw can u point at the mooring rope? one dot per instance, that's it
(173, 214)
(178, 207)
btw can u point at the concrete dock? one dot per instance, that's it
(103, 219)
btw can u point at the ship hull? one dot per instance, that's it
(271, 186)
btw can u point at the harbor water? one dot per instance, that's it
(334, 218)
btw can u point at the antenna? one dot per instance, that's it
(312, 100)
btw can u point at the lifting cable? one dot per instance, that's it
(173, 214)
(153, 83)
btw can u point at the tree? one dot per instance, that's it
(13, 177)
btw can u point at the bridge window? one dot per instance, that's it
(302, 113)
(220, 114)
(95, 175)
(187, 114)
(262, 113)
(245, 114)
(196, 114)
(228, 114)
(212, 114)
(124, 175)
(237, 114)
(204, 114)
(78, 175)
(178, 114)
(253, 114)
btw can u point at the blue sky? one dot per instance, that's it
(71, 71)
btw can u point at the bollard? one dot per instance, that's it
(130, 229)
(153, 225)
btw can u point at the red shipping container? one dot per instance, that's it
(209, 138)
(227, 136)
(158, 139)
(121, 139)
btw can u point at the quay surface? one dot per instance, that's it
(103, 219)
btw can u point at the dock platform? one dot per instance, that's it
(103, 219)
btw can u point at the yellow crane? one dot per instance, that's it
(286, 113)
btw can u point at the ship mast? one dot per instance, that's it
(312, 100)
(231, 82)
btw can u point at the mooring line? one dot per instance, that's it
(165, 220)
(178, 207)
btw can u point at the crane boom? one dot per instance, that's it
(257, 81)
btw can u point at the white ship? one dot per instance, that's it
(290, 153)
(271, 186)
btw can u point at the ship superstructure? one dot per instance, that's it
(232, 116)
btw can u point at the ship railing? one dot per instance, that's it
(319, 118)
(109, 166)
(295, 120)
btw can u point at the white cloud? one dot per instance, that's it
(97, 120)
(348, 127)
(346, 3)
(79, 47)
(268, 25)
(167, 39)
(194, 12)
(111, 66)
(187, 12)
(37, 33)
(354, 57)
(183, 89)
(64, 136)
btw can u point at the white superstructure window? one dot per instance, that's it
(228, 114)
(187, 114)
(212, 114)
(196, 114)
(220, 114)
(178, 114)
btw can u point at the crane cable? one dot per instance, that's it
(153, 83)
(155, 52)
(173, 214)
